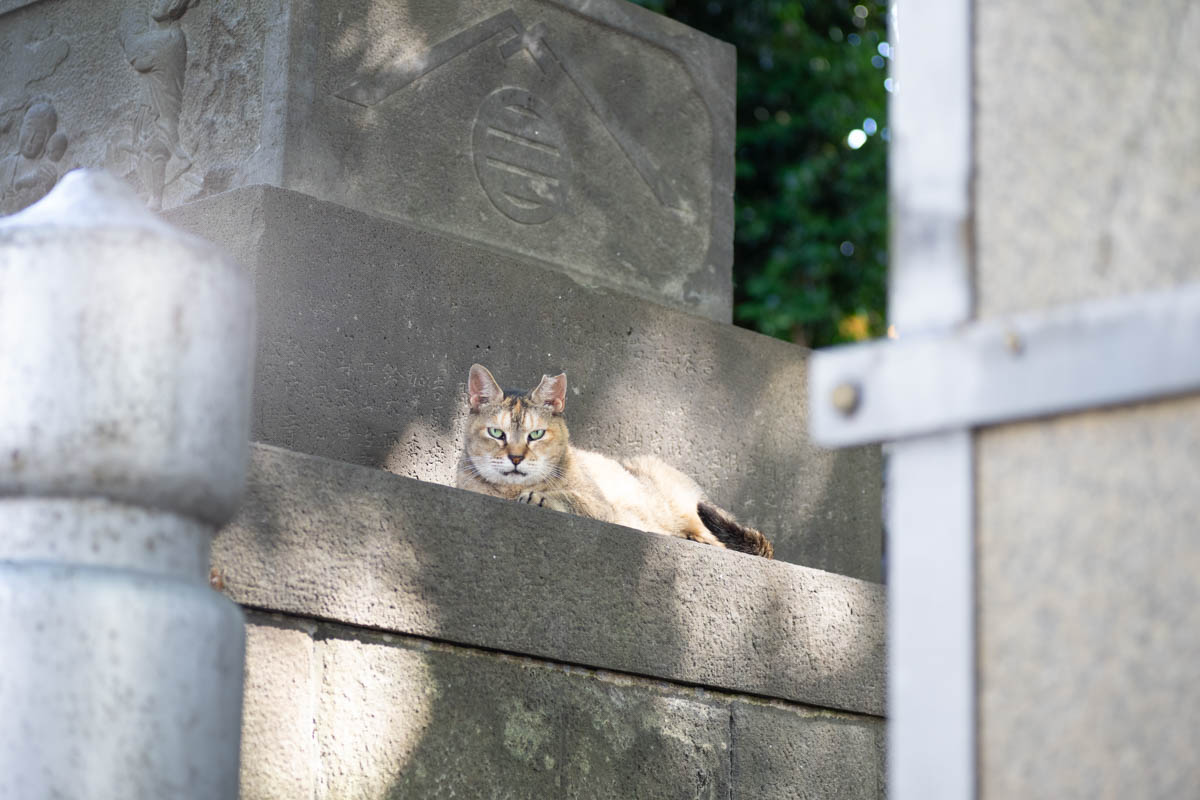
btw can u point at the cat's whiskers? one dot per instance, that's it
(554, 474)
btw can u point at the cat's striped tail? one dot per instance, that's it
(732, 533)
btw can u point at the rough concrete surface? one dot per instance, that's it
(367, 329)
(338, 712)
(1072, 200)
(1089, 593)
(787, 753)
(279, 748)
(420, 721)
(330, 540)
(589, 134)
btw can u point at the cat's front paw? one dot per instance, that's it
(538, 499)
(532, 498)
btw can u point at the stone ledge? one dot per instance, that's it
(367, 329)
(335, 541)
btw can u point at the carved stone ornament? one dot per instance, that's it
(156, 48)
(29, 174)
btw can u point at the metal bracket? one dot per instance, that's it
(1093, 354)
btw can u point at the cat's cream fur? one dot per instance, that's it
(517, 446)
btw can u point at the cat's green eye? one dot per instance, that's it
(535, 435)
(496, 433)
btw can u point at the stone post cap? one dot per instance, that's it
(126, 356)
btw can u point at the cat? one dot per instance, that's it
(517, 447)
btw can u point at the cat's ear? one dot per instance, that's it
(482, 387)
(551, 392)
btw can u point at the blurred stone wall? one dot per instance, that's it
(1088, 186)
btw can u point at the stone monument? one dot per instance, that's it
(537, 185)
(521, 183)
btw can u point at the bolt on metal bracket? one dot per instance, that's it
(1099, 353)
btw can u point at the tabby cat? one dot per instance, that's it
(517, 447)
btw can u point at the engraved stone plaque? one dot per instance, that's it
(591, 136)
(594, 136)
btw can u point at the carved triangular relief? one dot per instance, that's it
(519, 151)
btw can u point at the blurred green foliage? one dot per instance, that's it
(810, 247)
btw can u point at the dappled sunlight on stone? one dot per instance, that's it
(426, 452)
(359, 47)
(307, 553)
(278, 713)
(375, 705)
(731, 412)
(771, 622)
(367, 548)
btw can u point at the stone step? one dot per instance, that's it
(589, 134)
(323, 539)
(367, 329)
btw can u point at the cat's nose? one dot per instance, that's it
(515, 459)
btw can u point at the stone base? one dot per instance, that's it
(334, 711)
(413, 640)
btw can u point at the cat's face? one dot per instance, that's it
(518, 439)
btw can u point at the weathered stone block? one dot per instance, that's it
(334, 711)
(279, 753)
(409, 719)
(588, 134)
(330, 540)
(791, 753)
(1062, 215)
(1088, 559)
(1089, 571)
(367, 329)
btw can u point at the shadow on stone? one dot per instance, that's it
(358, 547)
